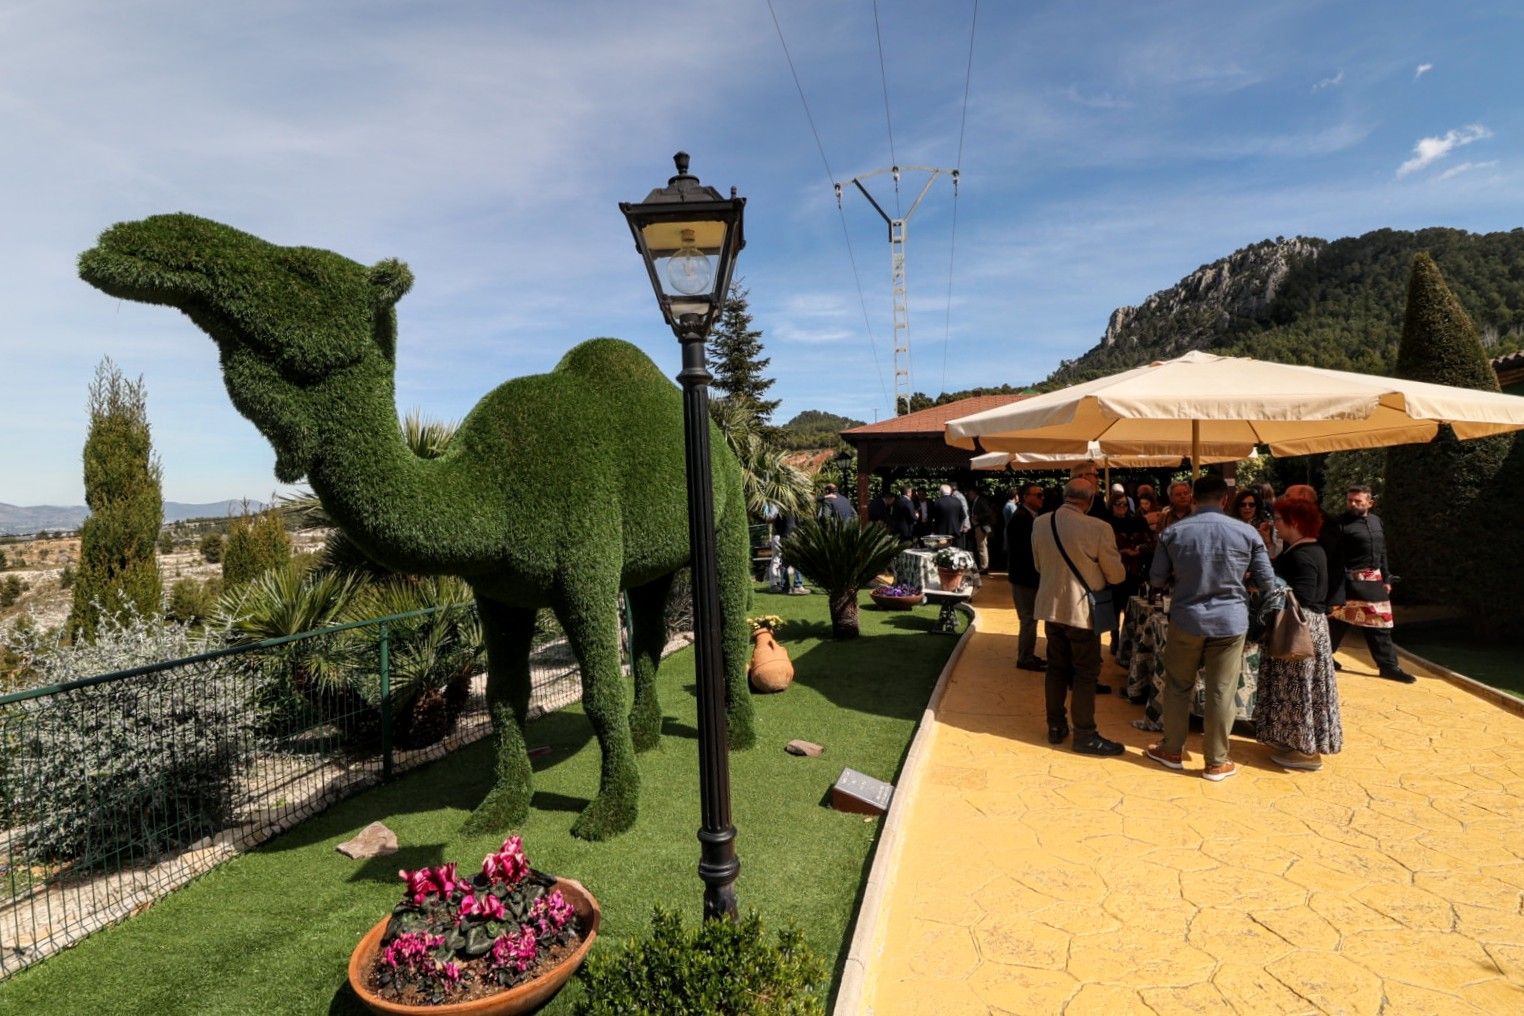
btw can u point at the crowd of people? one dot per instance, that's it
(1216, 553)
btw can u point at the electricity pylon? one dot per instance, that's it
(897, 224)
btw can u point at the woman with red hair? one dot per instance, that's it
(1296, 708)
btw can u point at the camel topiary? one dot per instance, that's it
(559, 490)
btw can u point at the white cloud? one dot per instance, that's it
(1430, 150)
(1096, 100)
(1466, 167)
(1422, 70)
(1333, 82)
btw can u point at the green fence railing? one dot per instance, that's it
(118, 788)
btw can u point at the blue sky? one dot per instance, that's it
(1109, 149)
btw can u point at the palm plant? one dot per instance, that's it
(308, 676)
(433, 656)
(840, 556)
(773, 487)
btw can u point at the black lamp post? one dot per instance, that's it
(844, 463)
(689, 235)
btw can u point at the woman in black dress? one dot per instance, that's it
(1296, 708)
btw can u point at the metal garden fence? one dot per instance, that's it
(118, 788)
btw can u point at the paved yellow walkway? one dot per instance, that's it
(1034, 880)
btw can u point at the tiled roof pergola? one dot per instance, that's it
(914, 440)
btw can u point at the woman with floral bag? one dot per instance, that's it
(1296, 707)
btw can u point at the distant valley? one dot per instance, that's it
(21, 520)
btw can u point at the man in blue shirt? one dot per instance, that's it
(1207, 554)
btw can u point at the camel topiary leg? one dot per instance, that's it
(589, 614)
(733, 562)
(508, 633)
(648, 618)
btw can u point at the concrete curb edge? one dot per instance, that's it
(1499, 698)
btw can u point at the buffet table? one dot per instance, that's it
(1141, 652)
(916, 566)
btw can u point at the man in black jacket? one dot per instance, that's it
(947, 513)
(896, 513)
(1023, 575)
(1360, 582)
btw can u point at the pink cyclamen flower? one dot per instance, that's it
(515, 950)
(550, 913)
(450, 972)
(410, 950)
(508, 864)
(421, 883)
(486, 905)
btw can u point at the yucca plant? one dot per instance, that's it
(433, 657)
(308, 675)
(840, 556)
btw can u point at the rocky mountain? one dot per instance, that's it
(1306, 300)
(18, 520)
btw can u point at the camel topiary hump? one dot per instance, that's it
(612, 360)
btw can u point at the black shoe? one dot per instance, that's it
(1103, 689)
(1338, 665)
(1056, 735)
(1095, 744)
(1399, 675)
(1035, 663)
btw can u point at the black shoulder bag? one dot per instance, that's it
(1103, 609)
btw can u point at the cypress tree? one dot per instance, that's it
(255, 544)
(735, 356)
(117, 567)
(1432, 489)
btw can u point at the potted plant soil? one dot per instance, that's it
(499, 943)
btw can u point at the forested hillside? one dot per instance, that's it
(812, 429)
(1324, 303)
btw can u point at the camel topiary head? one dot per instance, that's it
(287, 320)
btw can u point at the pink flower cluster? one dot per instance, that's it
(486, 905)
(422, 883)
(515, 950)
(550, 913)
(410, 950)
(508, 865)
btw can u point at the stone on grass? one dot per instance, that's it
(375, 840)
(807, 748)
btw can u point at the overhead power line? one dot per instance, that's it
(952, 248)
(831, 178)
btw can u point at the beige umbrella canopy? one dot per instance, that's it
(996, 461)
(1220, 407)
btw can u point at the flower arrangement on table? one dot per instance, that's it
(953, 559)
(454, 939)
(767, 622)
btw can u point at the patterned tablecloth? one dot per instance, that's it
(915, 567)
(1142, 652)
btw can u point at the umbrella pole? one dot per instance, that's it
(1195, 450)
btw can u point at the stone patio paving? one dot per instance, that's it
(1034, 880)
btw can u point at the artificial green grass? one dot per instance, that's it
(271, 931)
(1454, 645)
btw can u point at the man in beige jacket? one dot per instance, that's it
(1074, 646)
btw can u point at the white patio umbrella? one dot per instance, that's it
(996, 461)
(1220, 407)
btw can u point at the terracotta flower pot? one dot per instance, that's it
(520, 998)
(771, 669)
(952, 579)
